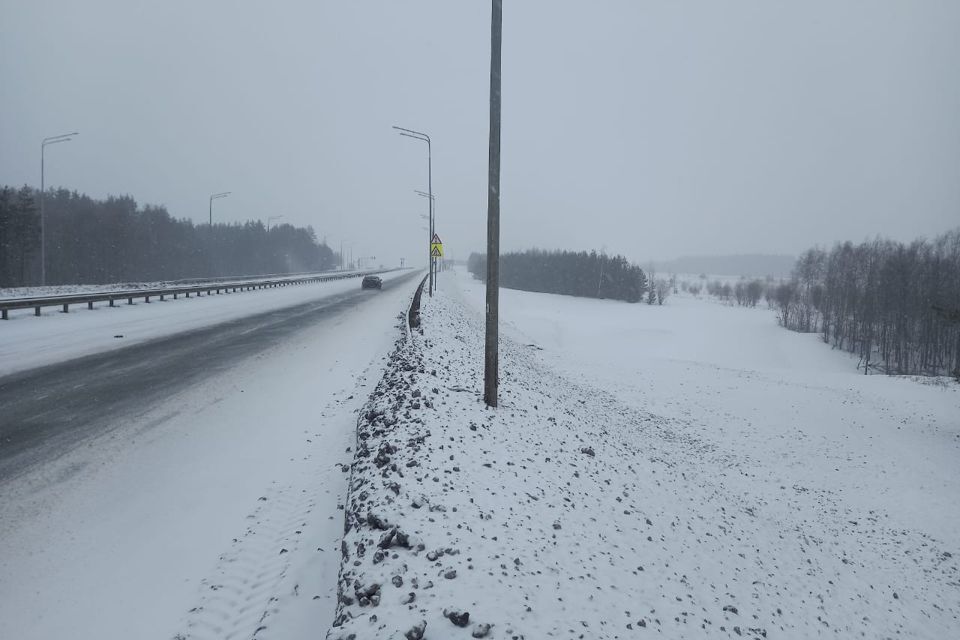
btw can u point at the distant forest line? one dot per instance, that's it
(895, 305)
(574, 273)
(90, 241)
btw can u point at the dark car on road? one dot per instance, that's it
(371, 282)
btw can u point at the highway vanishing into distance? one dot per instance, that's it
(138, 472)
(49, 410)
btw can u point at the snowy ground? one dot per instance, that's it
(27, 341)
(688, 470)
(212, 515)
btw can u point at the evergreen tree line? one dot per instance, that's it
(574, 273)
(92, 241)
(895, 305)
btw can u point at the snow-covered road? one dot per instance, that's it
(27, 342)
(212, 513)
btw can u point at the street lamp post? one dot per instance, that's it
(433, 229)
(417, 135)
(272, 218)
(65, 137)
(213, 197)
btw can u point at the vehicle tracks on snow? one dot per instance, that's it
(248, 581)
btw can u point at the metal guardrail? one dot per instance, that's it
(161, 293)
(413, 315)
(191, 282)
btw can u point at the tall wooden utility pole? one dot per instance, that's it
(491, 355)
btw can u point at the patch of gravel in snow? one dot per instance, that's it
(566, 514)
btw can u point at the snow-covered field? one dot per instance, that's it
(690, 470)
(27, 342)
(212, 514)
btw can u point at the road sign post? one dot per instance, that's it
(436, 247)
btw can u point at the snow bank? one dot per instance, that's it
(570, 513)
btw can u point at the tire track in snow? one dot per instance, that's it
(246, 586)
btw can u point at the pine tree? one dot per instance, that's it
(24, 232)
(6, 236)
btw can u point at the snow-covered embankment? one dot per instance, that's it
(567, 513)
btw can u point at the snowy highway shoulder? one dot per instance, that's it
(569, 512)
(191, 485)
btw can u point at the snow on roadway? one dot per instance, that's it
(27, 341)
(685, 471)
(212, 514)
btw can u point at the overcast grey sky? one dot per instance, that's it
(655, 129)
